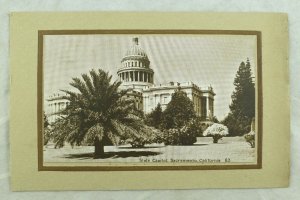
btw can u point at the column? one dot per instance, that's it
(200, 106)
(212, 107)
(198, 103)
(130, 77)
(207, 107)
(138, 77)
(148, 77)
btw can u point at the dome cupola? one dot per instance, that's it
(135, 71)
(135, 56)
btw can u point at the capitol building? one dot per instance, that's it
(137, 77)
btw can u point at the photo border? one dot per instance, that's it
(259, 103)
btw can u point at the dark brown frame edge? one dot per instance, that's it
(41, 166)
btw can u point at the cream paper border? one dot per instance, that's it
(23, 102)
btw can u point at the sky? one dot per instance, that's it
(206, 60)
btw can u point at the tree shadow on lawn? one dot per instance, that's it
(113, 155)
(191, 145)
(148, 147)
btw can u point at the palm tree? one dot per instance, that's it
(97, 113)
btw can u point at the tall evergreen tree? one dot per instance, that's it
(242, 107)
(179, 111)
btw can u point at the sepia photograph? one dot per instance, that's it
(152, 100)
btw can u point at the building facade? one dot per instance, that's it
(136, 75)
(137, 78)
(54, 105)
(202, 98)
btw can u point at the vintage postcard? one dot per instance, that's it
(149, 100)
(165, 100)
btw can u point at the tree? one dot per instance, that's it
(154, 118)
(215, 119)
(179, 111)
(46, 122)
(46, 130)
(242, 107)
(217, 131)
(98, 112)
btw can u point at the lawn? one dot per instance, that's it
(234, 149)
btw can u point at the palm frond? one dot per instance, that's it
(89, 84)
(98, 108)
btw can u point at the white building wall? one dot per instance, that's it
(54, 106)
(163, 93)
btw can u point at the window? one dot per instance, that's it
(165, 100)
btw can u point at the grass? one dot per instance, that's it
(234, 148)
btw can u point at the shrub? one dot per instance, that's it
(138, 139)
(250, 138)
(237, 126)
(170, 136)
(217, 131)
(186, 135)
